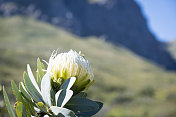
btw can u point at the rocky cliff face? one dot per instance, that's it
(172, 48)
(117, 21)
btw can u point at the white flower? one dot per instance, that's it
(71, 64)
(72, 74)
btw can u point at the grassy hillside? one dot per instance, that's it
(129, 85)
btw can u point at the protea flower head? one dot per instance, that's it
(70, 64)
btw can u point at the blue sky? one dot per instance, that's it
(161, 17)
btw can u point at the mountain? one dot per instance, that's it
(127, 84)
(172, 48)
(117, 21)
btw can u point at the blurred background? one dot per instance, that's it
(131, 45)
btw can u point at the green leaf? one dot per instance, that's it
(81, 105)
(31, 109)
(40, 72)
(81, 94)
(8, 105)
(16, 92)
(62, 97)
(19, 97)
(42, 107)
(68, 83)
(24, 114)
(19, 108)
(62, 112)
(31, 89)
(90, 113)
(24, 92)
(27, 98)
(31, 76)
(46, 88)
(52, 93)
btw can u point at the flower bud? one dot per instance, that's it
(71, 64)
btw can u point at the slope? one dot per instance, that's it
(127, 84)
(120, 22)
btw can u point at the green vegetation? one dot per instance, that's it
(129, 85)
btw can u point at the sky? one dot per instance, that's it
(161, 17)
